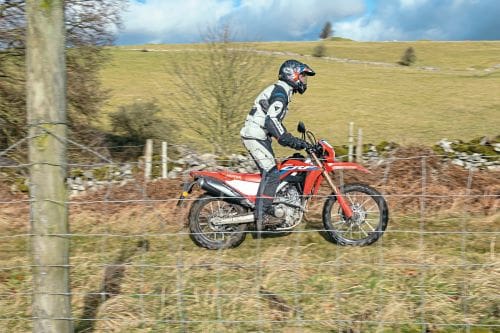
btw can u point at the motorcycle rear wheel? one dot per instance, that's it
(368, 223)
(205, 234)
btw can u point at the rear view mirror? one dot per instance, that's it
(301, 127)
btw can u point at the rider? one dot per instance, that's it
(265, 121)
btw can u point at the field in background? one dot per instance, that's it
(451, 92)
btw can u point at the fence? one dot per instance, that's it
(133, 267)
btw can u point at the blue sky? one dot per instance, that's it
(176, 21)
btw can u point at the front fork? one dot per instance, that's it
(346, 208)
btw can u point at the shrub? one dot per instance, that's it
(137, 122)
(408, 57)
(319, 51)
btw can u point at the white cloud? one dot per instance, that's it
(412, 3)
(173, 20)
(168, 21)
(425, 19)
(285, 19)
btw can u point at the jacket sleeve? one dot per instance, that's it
(289, 140)
(273, 119)
(276, 129)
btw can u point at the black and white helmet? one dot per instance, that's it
(295, 74)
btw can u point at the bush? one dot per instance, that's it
(319, 51)
(137, 122)
(408, 57)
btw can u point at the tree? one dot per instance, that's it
(327, 31)
(408, 57)
(89, 26)
(217, 88)
(12, 100)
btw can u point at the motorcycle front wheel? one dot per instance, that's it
(369, 220)
(215, 237)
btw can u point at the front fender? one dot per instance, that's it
(346, 166)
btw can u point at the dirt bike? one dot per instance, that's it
(354, 214)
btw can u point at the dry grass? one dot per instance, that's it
(301, 281)
(134, 268)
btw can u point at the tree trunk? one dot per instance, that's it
(46, 108)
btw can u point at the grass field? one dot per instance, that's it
(145, 275)
(451, 92)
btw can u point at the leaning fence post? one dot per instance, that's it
(359, 146)
(164, 165)
(148, 155)
(350, 150)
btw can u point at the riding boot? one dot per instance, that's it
(266, 192)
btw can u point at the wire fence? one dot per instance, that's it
(134, 267)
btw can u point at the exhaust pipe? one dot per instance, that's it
(233, 220)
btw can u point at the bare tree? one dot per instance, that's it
(12, 101)
(327, 31)
(46, 105)
(218, 85)
(89, 25)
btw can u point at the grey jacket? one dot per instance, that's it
(267, 114)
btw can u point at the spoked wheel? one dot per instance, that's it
(369, 220)
(214, 237)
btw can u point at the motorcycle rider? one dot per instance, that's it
(265, 121)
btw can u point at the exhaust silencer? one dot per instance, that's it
(233, 220)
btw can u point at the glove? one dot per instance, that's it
(301, 144)
(316, 149)
(289, 140)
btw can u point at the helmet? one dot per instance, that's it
(295, 74)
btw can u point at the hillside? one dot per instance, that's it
(450, 92)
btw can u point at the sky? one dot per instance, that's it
(185, 21)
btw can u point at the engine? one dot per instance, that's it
(288, 207)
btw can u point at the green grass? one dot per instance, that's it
(407, 105)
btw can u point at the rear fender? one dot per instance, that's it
(215, 188)
(187, 188)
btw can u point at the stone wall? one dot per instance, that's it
(472, 160)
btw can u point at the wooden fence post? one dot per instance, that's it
(46, 113)
(148, 159)
(164, 160)
(350, 149)
(359, 146)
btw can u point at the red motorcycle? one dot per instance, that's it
(354, 214)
